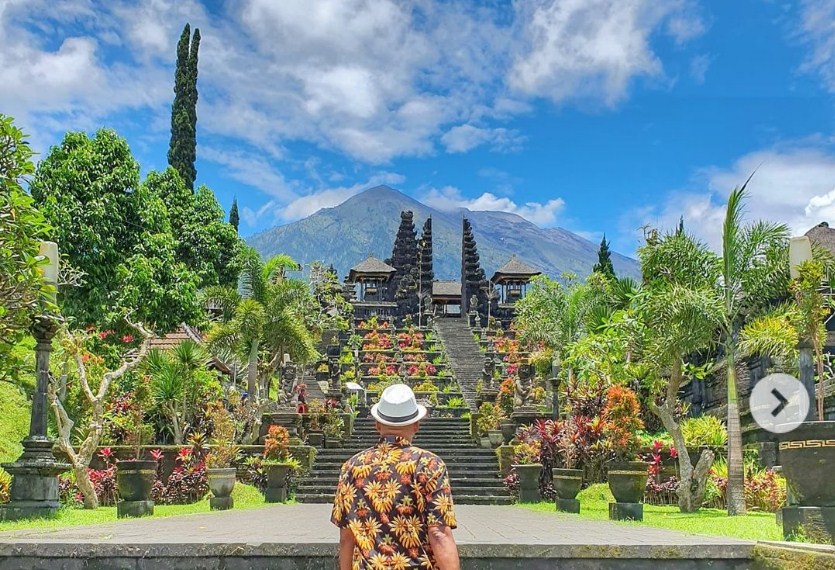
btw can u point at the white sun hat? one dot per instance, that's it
(398, 407)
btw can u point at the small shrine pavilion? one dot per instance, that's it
(511, 281)
(372, 279)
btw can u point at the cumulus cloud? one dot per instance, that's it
(592, 49)
(450, 198)
(795, 186)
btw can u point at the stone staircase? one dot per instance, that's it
(473, 471)
(465, 358)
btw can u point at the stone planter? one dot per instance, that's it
(496, 437)
(508, 430)
(807, 456)
(315, 438)
(221, 482)
(333, 442)
(567, 482)
(276, 491)
(135, 480)
(528, 482)
(627, 480)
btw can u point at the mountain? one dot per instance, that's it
(367, 223)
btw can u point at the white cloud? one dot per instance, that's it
(592, 49)
(795, 186)
(698, 68)
(450, 198)
(370, 79)
(463, 138)
(817, 31)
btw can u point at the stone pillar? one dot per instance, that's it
(806, 364)
(34, 491)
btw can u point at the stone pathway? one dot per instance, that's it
(500, 529)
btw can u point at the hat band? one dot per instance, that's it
(397, 419)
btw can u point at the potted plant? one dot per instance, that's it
(627, 476)
(277, 464)
(333, 429)
(135, 477)
(527, 467)
(489, 423)
(315, 436)
(219, 470)
(568, 479)
(322, 372)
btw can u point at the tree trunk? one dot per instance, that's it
(691, 488)
(736, 471)
(252, 372)
(176, 429)
(82, 481)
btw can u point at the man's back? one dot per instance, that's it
(388, 496)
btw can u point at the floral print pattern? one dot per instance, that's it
(388, 496)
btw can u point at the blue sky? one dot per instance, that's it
(594, 115)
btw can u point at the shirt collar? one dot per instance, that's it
(394, 440)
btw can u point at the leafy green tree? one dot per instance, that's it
(182, 150)
(116, 232)
(204, 242)
(681, 312)
(754, 273)
(555, 314)
(263, 319)
(234, 218)
(604, 259)
(21, 228)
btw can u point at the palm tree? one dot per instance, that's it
(754, 272)
(263, 319)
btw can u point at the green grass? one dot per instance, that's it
(246, 497)
(14, 420)
(594, 504)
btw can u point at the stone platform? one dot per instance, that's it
(299, 536)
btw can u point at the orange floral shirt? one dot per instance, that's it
(388, 496)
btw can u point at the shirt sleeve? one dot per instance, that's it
(342, 503)
(440, 510)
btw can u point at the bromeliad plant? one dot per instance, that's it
(277, 446)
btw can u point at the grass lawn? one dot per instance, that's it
(246, 497)
(14, 420)
(594, 504)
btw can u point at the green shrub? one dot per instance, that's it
(704, 430)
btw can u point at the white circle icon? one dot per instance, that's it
(779, 403)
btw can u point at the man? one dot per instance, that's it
(393, 503)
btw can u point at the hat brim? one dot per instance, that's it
(420, 415)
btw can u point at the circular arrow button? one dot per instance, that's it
(779, 403)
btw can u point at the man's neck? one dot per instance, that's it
(407, 439)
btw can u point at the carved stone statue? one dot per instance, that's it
(473, 304)
(523, 386)
(487, 373)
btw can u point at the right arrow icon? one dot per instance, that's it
(783, 402)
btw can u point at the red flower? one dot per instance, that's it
(156, 454)
(184, 454)
(106, 453)
(673, 452)
(128, 338)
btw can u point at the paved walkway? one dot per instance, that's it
(499, 529)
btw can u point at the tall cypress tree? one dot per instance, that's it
(182, 150)
(604, 259)
(234, 219)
